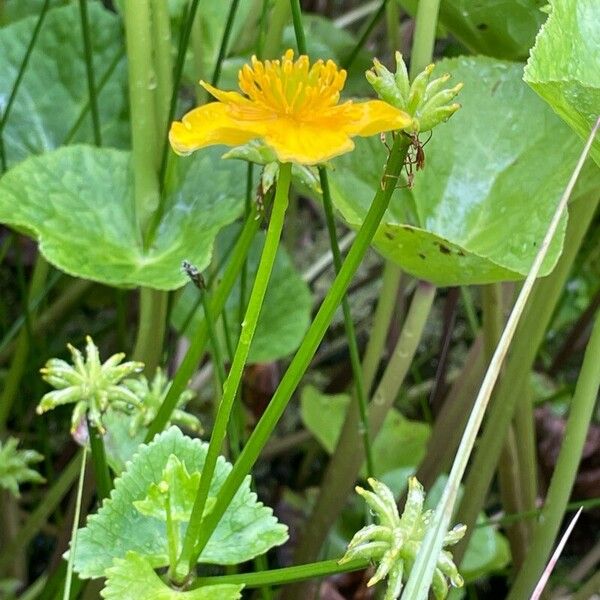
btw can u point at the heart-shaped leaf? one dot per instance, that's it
(53, 93)
(563, 66)
(78, 203)
(493, 176)
(285, 314)
(133, 578)
(247, 529)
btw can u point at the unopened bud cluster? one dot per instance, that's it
(393, 543)
(427, 101)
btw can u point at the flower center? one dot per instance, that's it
(292, 88)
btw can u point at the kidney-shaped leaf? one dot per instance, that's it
(133, 578)
(563, 66)
(53, 93)
(247, 529)
(78, 203)
(492, 179)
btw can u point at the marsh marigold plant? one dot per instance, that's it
(292, 107)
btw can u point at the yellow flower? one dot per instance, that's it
(291, 106)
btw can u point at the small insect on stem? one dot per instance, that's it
(194, 274)
(415, 158)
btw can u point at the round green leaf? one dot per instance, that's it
(563, 66)
(492, 179)
(247, 529)
(53, 93)
(285, 314)
(78, 203)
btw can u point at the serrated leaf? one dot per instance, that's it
(500, 29)
(78, 202)
(285, 314)
(247, 529)
(563, 66)
(493, 176)
(177, 487)
(400, 442)
(133, 578)
(53, 92)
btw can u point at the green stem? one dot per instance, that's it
(392, 18)
(89, 68)
(524, 349)
(367, 31)
(200, 336)
(469, 307)
(101, 472)
(346, 461)
(381, 322)
(73, 544)
(189, 555)
(12, 380)
(218, 359)
(161, 41)
(424, 36)
(280, 14)
(15, 88)
(151, 329)
(142, 93)
(224, 42)
(285, 575)
(40, 515)
(172, 536)
(310, 343)
(563, 478)
(359, 384)
(298, 27)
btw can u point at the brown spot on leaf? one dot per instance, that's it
(422, 255)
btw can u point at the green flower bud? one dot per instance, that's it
(15, 466)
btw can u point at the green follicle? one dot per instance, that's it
(428, 101)
(91, 385)
(394, 542)
(151, 395)
(15, 466)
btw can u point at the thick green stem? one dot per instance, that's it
(189, 555)
(12, 381)
(200, 336)
(345, 464)
(161, 41)
(298, 27)
(89, 67)
(310, 343)
(528, 338)
(142, 94)
(151, 331)
(563, 478)
(424, 36)
(359, 384)
(324, 568)
(101, 472)
(384, 312)
(392, 21)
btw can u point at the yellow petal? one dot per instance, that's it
(209, 125)
(306, 143)
(374, 116)
(225, 97)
